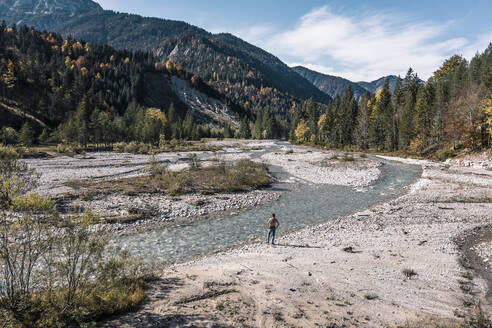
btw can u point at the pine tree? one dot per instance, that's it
(80, 124)
(26, 135)
(406, 131)
(346, 118)
(424, 113)
(244, 130)
(363, 117)
(44, 136)
(397, 103)
(188, 126)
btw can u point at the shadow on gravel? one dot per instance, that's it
(296, 246)
(153, 320)
(471, 260)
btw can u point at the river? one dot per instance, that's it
(300, 205)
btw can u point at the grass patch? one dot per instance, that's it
(244, 175)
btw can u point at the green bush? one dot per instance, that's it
(56, 271)
(8, 152)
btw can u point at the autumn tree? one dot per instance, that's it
(303, 133)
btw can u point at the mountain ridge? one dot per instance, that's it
(330, 84)
(335, 85)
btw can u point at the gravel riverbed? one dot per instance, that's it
(394, 264)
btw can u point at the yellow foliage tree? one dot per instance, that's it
(487, 106)
(169, 65)
(156, 114)
(112, 58)
(9, 77)
(68, 61)
(302, 132)
(66, 47)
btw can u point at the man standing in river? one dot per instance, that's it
(272, 226)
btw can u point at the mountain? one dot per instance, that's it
(44, 14)
(248, 75)
(331, 85)
(44, 79)
(379, 83)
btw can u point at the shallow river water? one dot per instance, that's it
(301, 205)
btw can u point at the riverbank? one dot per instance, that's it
(397, 263)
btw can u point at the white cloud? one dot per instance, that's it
(366, 47)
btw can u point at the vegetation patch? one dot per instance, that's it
(56, 271)
(241, 176)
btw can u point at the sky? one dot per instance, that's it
(355, 39)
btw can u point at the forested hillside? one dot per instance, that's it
(251, 77)
(75, 91)
(452, 110)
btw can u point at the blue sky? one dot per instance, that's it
(359, 40)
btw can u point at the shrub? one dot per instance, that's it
(8, 153)
(56, 272)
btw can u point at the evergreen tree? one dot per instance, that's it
(80, 124)
(244, 130)
(406, 131)
(362, 130)
(424, 113)
(26, 135)
(187, 128)
(44, 136)
(346, 118)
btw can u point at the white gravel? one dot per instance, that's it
(317, 167)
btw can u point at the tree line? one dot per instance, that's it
(452, 110)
